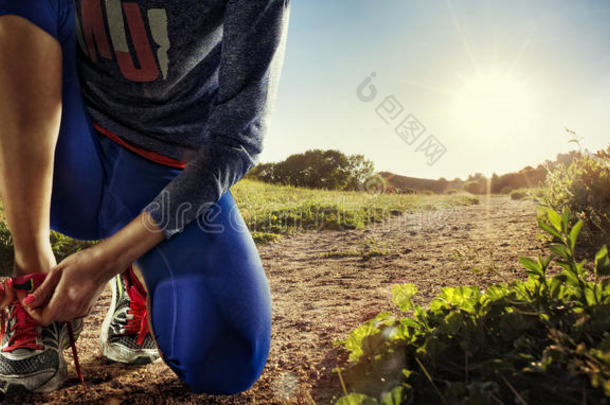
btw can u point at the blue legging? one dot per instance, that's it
(210, 300)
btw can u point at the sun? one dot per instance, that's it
(494, 101)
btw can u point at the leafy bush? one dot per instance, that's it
(518, 194)
(324, 169)
(584, 188)
(541, 341)
(475, 187)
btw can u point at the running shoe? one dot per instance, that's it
(125, 335)
(31, 356)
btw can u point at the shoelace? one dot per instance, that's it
(138, 323)
(25, 331)
(75, 355)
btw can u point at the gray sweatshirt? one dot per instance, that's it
(193, 80)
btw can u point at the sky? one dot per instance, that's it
(483, 86)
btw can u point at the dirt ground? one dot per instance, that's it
(324, 285)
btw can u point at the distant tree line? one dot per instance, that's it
(334, 170)
(324, 169)
(524, 178)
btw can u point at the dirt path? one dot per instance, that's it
(323, 286)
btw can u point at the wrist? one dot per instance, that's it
(129, 244)
(108, 262)
(33, 258)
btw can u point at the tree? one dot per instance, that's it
(327, 169)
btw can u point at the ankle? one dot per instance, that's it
(34, 261)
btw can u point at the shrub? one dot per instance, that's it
(475, 187)
(541, 341)
(323, 169)
(584, 188)
(518, 194)
(451, 191)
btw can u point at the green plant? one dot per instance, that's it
(518, 194)
(475, 186)
(584, 188)
(271, 210)
(545, 340)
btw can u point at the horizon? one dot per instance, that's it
(521, 72)
(461, 178)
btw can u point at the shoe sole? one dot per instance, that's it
(58, 380)
(55, 382)
(115, 353)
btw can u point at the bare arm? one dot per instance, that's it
(72, 287)
(30, 114)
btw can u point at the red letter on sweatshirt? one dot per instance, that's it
(148, 70)
(94, 29)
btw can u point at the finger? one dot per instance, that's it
(45, 291)
(35, 314)
(60, 309)
(51, 312)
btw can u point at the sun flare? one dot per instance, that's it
(493, 101)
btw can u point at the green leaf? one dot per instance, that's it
(393, 397)
(545, 262)
(356, 399)
(556, 288)
(590, 296)
(574, 233)
(549, 229)
(565, 219)
(531, 265)
(555, 219)
(568, 277)
(402, 294)
(602, 262)
(452, 322)
(407, 373)
(560, 250)
(353, 343)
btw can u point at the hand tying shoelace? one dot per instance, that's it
(20, 329)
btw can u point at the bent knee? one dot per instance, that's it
(229, 367)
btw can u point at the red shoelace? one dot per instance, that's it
(138, 323)
(24, 329)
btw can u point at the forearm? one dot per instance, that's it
(254, 38)
(129, 244)
(30, 114)
(72, 287)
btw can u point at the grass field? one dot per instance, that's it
(274, 210)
